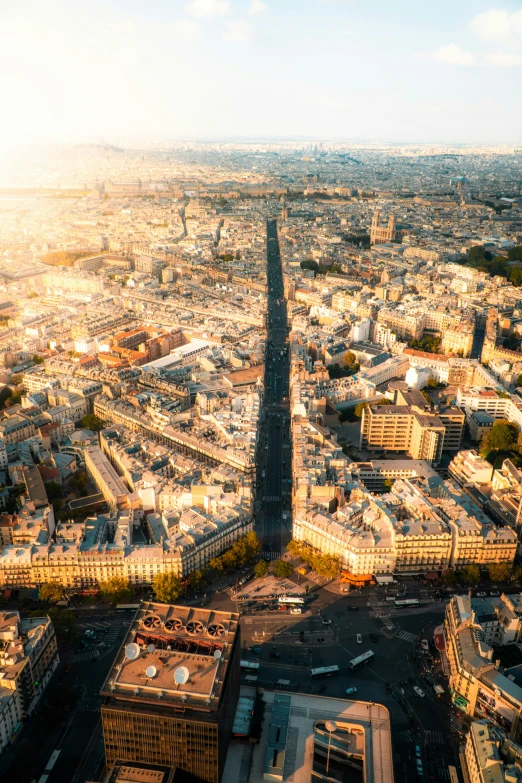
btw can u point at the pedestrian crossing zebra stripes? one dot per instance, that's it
(403, 736)
(272, 498)
(457, 724)
(271, 555)
(90, 704)
(436, 737)
(406, 636)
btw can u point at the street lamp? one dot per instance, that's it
(330, 726)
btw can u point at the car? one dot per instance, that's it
(418, 691)
(359, 638)
(374, 637)
(325, 621)
(255, 650)
(275, 654)
(494, 592)
(353, 608)
(351, 690)
(420, 771)
(481, 595)
(417, 751)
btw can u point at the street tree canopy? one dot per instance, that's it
(282, 569)
(116, 589)
(51, 591)
(167, 588)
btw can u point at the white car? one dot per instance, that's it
(359, 638)
(418, 690)
(481, 595)
(325, 621)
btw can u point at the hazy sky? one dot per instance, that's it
(409, 70)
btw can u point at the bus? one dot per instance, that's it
(291, 600)
(361, 659)
(452, 772)
(52, 760)
(406, 602)
(249, 665)
(324, 671)
(127, 607)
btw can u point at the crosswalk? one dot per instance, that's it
(83, 656)
(457, 724)
(90, 704)
(406, 636)
(436, 737)
(271, 555)
(271, 498)
(405, 736)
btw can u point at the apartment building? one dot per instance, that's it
(16, 428)
(458, 338)
(419, 526)
(28, 658)
(106, 479)
(479, 686)
(407, 325)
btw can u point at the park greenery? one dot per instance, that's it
(92, 422)
(503, 441)
(479, 258)
(324, 565)
(428, 342)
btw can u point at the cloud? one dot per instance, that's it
(257, 7)
(239, 30)
(206, 8)
(504, 59)
(499, 27)
(454, 55)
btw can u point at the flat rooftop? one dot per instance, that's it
(173, 655)
(294, 726)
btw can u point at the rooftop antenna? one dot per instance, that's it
(132, 651)
(181, 675)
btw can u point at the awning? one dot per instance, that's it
(346, 576)
(438, 638)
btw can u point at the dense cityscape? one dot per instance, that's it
(261, 413)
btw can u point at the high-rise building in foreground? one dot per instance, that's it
(171, 694)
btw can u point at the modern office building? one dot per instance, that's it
(170, 697)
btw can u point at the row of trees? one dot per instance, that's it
(479, 258)
(471, 574)
(324, 565)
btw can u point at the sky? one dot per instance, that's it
(352, 70)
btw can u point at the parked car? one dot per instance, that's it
(420, 771)
(255, 650)
(359, 638)
(353, 608)
(418, 690)
(494, 592)
(417, 751)
(481, 594)
(275, 654)
(325, 621)
(351, 690)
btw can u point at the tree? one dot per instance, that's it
(515, 253)
(167, 587)
(195, 580)
(310, 265)
(501, 437)
(282, 569)
(16, 379)
(499, 572)
(38, 359)
(432, 383)
(260, 569)
(65, 625)
(217, 565)
(116, 589)
(294, 547)
(350, 358)
(519, 380)
(471, 575)
(449, 578)
(475, 254)
(92, 422)
(359, 408)
(51, 591)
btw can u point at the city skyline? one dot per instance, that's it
(320, 69)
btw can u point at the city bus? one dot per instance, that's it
(127, 607)
(324, 671)
(251, 665)
(361, 659)
(291, 600)
(406, 602)
(52, 760)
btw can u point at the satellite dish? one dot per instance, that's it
(181, 675)
(217, 655)
(150, 671)
(151, 648)
(132, 651)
